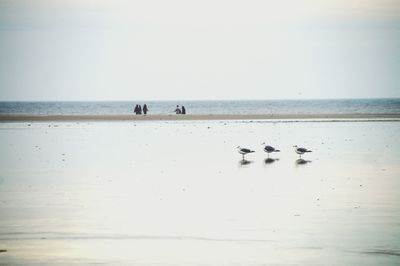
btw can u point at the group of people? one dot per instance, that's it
(180, 111)
(138, 109)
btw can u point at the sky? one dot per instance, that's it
(198, 50)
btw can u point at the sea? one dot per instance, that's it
(336, 106)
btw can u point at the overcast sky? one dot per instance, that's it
(208, 49)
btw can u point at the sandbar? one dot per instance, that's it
(194, 117)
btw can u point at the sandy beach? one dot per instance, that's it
(189, 117)
(177, 193)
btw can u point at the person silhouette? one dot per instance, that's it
(139, 109)
(178, 110)
(145, 109)
(183, 110)
(136, 110)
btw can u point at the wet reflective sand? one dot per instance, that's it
(178, 193)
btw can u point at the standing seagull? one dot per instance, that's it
(243, 151)
(300, 151)
(268, 149)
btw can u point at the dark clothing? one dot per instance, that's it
(183, 110)
(145, 109)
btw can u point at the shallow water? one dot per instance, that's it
(177, 193)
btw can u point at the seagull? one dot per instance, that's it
(300, 151)
(244, 151)
(268, 149)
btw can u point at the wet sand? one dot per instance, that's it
(178, 193)
(189, 117)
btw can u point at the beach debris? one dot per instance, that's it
(3, 250)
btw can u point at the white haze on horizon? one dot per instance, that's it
(163, 50)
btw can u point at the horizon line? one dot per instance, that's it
(199, 100)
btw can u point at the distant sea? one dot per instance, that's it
(342, 106)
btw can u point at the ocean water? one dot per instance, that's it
(342, 106)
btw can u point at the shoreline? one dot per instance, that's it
(189, 117)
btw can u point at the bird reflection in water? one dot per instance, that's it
(244, 163)
(270, 160)
(302, 162)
